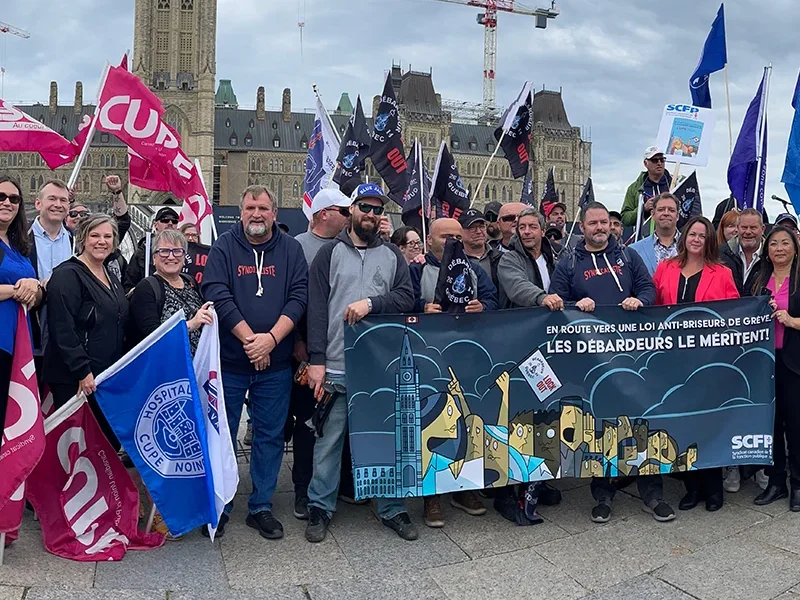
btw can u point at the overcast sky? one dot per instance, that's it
(618, 62)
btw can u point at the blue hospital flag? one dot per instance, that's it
(791, 169)
(151, 401)
(713, 58)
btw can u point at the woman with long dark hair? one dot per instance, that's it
(696, 275)
(18, 283)
(779, 273)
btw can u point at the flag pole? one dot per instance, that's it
(728, 98)
(325, 110)
(2, 547)
(639, 211)
(418, 156)
(151, 517)
(762, 118)
(92, 128)
(210, 202)
(486, 170)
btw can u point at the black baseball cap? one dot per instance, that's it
(166, 211)
(492, 208)
(786, 217)
(612, 214)
(553, 232)
(471, 216)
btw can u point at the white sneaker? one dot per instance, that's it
(732, 481)
(761, 479)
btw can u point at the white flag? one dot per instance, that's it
(221, 454)
(539, 375)
(323, 150)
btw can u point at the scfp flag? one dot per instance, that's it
(154, 408)
(416, 201)
(386, 148)
(713, 58)
(514, 132)
(354, 148)
(449, 196)
(688, 194)
(455, 287)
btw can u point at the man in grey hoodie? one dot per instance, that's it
(353, 276)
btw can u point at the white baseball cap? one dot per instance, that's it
(652, 151)
(328, 198)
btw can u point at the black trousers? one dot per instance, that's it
(63, 393)
(706, 482)
(787, 424)
(301, 407)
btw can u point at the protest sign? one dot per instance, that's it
(442, 403)
(685, 134)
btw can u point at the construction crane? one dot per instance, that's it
(5, 28)
(489, 21)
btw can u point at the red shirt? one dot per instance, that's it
(716, 283)
(781, 298)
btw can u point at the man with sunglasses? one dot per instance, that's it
(166, 218)
(654, 180)
(507, 221)
(355, 275)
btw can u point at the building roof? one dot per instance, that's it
(225, 95)
(548, 109)
(65, 122)
(345, 106)
(477, 140)
(417, 93)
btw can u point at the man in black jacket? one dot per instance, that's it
(166, 218)
(742, 253)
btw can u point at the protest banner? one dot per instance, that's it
(442, 403)
(685, 134)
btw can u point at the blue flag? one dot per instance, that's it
(713, 58)
(791, 169)
(742, 169)
(151, 401)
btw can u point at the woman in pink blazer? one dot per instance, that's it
(695, 275)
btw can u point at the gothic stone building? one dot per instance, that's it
(174, 54)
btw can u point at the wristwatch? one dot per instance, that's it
(369, 304)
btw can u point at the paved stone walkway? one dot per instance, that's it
(741, 552)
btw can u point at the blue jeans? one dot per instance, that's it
(269, 403)
(324, 485)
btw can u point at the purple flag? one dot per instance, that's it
(742, 169)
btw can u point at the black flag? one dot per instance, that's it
(354, 148)
(688, 194)
(587, 195)
(413, 199)
(516, 122)
(527, 190)
(386, 148)
(455, 287)
(449, 197)
(550, 195)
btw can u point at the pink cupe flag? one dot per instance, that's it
(22, 133)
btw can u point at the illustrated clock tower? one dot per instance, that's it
(408, 436)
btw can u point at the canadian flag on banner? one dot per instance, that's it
(133, 113)
(21, 133)
(23, 437)
(87, 503)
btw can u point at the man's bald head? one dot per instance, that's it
(441, 230)
(507, 219)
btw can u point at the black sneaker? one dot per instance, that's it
(601, 513)
(267, 525)
(403, 526)
(318, 522)
(223, 519)
(301, 508)
(661, 511)
(548, 495)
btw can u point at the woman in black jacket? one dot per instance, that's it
(156, 298)
(779, 273)
(87, 316)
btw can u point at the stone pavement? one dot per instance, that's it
(741, 552)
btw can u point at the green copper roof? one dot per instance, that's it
(225, 95)
(345, 106)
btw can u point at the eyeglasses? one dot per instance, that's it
(657, 160)
(191, 236)
(165, 252)
(13, 198)
(491, 218)
(168, 221)
(508, 218)
(414, 244)
(367, 208)
(77, 214)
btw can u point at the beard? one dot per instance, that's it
(366, 230)
(256, 229)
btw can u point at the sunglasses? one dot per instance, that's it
(369, 208)
(657, 160)
(491, 218)
(165, 252)
(168, 221)
(77, 214)
(508, 218)
(345, 212)
(13, 198)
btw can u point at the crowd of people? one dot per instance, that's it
(282, 303)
